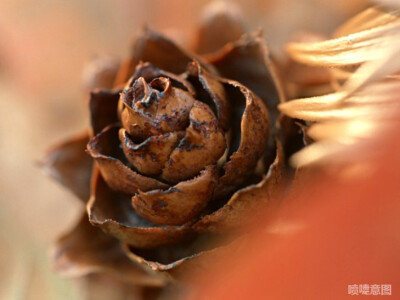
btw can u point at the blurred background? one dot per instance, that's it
(44, 46)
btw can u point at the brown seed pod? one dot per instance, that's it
(178, 146)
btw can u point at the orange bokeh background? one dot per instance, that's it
(329, 233)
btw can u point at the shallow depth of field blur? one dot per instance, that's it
(44, 46)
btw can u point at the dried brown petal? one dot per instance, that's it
(221, 23)
(114, 214)
(155, 109)
(150, 156)
(103, 109)
(150, 72)
(104, 148)
(248, 62)
(254, 129)
(247, 201)
(101, 73)
(178, 204)
(203, 145)
(86, 250)
(71, 166)
(153, 47)
(216, 91)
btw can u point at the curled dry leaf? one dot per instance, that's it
(184, 148)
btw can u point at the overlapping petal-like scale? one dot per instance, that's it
(153, 47)
(216, 91)
(155, 108)
(150, 72)
(71, 166)
(178, 204)
(221, 23)
(101, 73)
(103, 109)
(247, 147)
(247, 201)
(87, 250)
(113, 213)
(150, 156)
(203, 145)
(104, 148)
(248, 62)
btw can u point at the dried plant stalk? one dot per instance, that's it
(364, 58)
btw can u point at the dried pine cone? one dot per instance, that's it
(182, 146)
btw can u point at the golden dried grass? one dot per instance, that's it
(364, 62)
